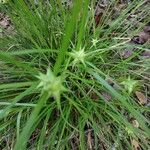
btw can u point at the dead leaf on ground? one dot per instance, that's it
(141, 39)
(141, 97)
(147, 28)
(135, 123)
(146, 54)
(89, 140)
(4, 21)
(100, 7)
(135, 144)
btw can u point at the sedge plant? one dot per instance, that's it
(54, 71)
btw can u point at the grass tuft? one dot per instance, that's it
(65, 81)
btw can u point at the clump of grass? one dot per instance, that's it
(69, 110)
